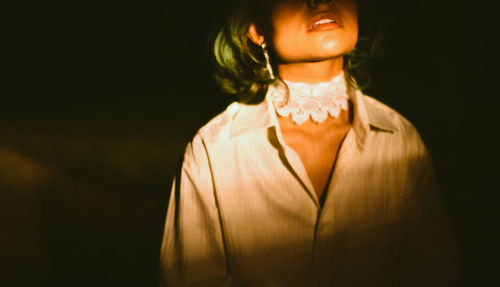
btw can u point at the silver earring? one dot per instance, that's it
(268, 62)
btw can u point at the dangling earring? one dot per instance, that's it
(268, 62)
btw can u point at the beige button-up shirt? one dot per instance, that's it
(243, 211)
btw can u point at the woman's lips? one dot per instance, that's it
(324, 21)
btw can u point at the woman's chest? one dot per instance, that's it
(271, 224)
(318, 148)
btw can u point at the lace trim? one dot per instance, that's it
(315, 101)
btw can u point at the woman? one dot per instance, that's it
(305, 181)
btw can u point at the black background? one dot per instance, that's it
(101, 98)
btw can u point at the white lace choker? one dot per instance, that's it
(313, 101)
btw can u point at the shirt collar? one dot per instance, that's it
(367, 116)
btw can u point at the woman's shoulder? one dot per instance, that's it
(219, 126)
(384, 115)
(397, 127)
(215, 130)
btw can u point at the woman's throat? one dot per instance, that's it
(313, 72)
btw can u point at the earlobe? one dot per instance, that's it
(254, 35)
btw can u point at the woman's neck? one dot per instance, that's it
(311, 72)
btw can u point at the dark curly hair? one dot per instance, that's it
(240, 66)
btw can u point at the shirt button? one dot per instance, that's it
(321, 228)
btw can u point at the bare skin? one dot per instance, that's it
(311, 72)
(317, 145)
(310, 52)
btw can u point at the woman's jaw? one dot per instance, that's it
(308, 43)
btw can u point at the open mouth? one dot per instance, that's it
(324, 21)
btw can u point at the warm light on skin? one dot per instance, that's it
(309, 52)
(304, 55)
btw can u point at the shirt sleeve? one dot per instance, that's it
(192, 251)
(428, 254)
